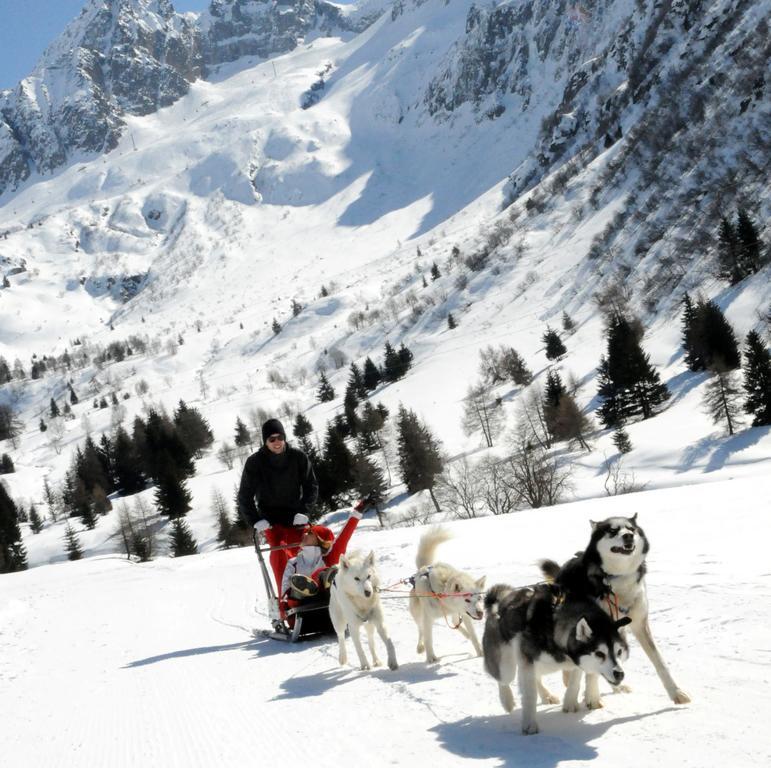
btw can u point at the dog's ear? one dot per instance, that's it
(344, 564)
(480, 583)
(593, 524)
(370, 561)
(622, 622)
(633, 519)
(583, 630)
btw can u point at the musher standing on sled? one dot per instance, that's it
(278, 491)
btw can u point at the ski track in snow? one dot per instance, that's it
(104, 662)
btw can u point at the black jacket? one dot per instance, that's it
(275, 488)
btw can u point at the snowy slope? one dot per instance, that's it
(109, 662)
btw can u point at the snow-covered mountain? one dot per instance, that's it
(355, 160)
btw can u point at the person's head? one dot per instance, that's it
(318, 536)
(273, 436)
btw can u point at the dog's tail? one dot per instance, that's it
(494, 596)
(549, 569)
(429, 541)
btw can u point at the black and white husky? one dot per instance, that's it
(529, 632)
(611, 571)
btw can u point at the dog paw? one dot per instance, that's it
(377, 663)
(393, 665)
(681, 697)
(549, 698)
(528, 729)
(431, 659)
(365, 667)
(594, 703)
(622, 688)
(570, 706)
(420, 648)
(342, 660)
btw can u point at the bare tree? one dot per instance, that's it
(482, 411)
(535, 474)
(458, 489)
(55, 434)
(226, 454)
(723, 398)
(497, 486)
(532, 419)
(617, 482)
(568, 422)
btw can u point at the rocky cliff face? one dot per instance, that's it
(136, 56)
(118, 57)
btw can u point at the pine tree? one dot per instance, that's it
(127, 468)
(6, 465)
(451, 322)
(172, 497)
(748, 244)
(757, 380)
(513, 365)
(713, 342)
(728, 252)
(371, 376)
(691, 345)
(193, 429)
(337, 466)
(35, 522)
(722, 398)
(5, 371)
(81, 505)
(435, 273)
(182, 542)
(162, 448)
(275, 327)
(405, 358)
(73, 397)
(13, 555)
(554, 346)
(369, 480)
(325, 392)
(392, 366)
(419, 459)
(628, 384)
(302, 427)
(553, 393)
(567, 323)
(53, 409)
(350, 403)
(621, 440)
(242, 437)
(72, 543)
(222, 515)
(43, 426)
(356, 382)
(296, 308)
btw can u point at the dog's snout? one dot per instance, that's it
(628, 538)
(367, 592)
(618, 675)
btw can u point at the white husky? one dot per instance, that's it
(354, 601)
(443, 591)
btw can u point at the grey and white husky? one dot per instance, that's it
(442, 591)
(354, 601)
(611, 571)
(528, 632)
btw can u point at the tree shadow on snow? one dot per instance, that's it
(563, 737)
(319, 683)
(720, 449)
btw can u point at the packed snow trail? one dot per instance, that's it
(106, 662)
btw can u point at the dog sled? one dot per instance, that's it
(299, 619)
(292, 620)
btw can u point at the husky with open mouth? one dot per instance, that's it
(611, 571)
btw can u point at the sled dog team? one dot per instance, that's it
(574, 621)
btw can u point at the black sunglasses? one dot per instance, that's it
(276, 439)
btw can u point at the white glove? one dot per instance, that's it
(261, 526)
(357, 513)
(300, 519)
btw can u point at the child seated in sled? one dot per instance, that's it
(312, 570)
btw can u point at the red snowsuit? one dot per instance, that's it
(331, 558)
